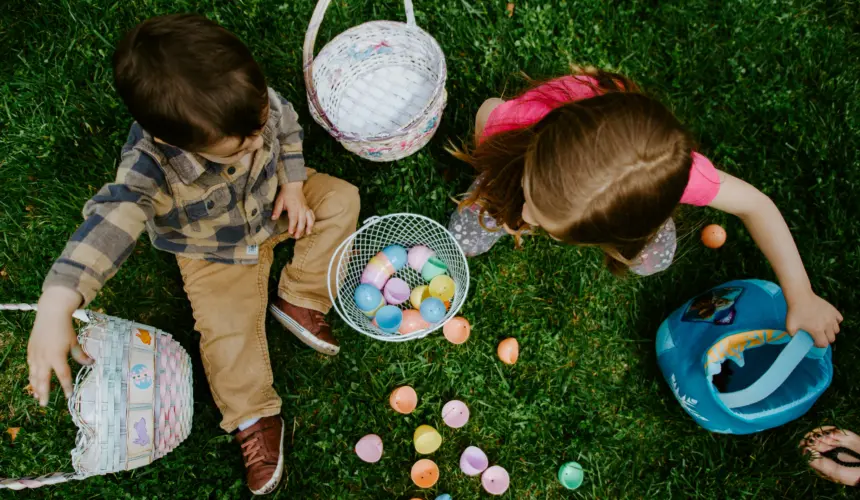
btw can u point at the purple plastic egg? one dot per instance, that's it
(369, 448)
(396, 291)
(473, 461)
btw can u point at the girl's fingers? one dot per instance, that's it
(64, 375)
(311, 219)
(80, 356)
(40, 380)
(302, 219)
(293, 221)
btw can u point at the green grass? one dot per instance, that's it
(772, 92)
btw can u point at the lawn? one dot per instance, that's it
(771, 90)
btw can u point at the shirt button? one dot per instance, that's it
(210, 205)
(258, 228)
(253, 212)
(231, 170)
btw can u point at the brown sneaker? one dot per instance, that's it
(306, 324)
(263, 453)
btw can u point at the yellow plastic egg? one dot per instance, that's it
(442, 287)
(418, 295)
(509, 351)
(427, 439)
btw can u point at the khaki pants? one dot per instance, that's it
(230, 302)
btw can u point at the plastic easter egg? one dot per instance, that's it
(496, 480)
(432, 310)
(396, 255)
(369, 448)
(473, 461)
(375, 275)
(425, 473)
(442, 287)
(570, 475)
(382, 261)
(396, 291)
(412, 322)
(404, 399)
(432, 268)
(427, 439)
(457, 330)
(368, 299)
(455, 414)
(713, 236)
(418, 256)
(419, 294)
(389, 318)
(444, 496)
(509, 351)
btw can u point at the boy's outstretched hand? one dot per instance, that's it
(814, 315)
(292, 199)
(52, 338)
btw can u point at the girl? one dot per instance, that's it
(592, 161)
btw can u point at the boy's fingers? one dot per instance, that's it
(279, 207)
(40, 382)
(293, 221)
(311, 220)
(301, 223)
(64, 375)
(80, 356)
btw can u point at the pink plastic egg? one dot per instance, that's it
(396, 291)
(369, 448)
(375, 275)
(496, 480)
(455, 414)
(412, 322)
(473, 461)
(418, 256)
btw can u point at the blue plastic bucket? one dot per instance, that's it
(731, 364)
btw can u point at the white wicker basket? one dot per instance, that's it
(378, 88)
(133, 405)
(351, 257)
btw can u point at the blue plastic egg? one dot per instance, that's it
(368, 299)
(397, 255)
(444, 496)
(432, 310)
(389, 318)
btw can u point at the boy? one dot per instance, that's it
(213, 160)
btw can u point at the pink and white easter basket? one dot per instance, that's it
(379, 87)
(132, 406)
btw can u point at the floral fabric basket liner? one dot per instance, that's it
(133, 405)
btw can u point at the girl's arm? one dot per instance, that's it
(806, 311)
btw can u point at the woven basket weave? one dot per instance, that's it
(133, 405)
(378, 88)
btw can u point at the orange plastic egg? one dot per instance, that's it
(509, 351)
(425, 473)
(457, 330)
(412, 322)
(404, 399)
(714, 236)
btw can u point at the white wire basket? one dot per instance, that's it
(378, 88)
(407, 230)
(132, 406)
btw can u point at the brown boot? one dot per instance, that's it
(306, 324)
(263, 453)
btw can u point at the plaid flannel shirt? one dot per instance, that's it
(188, 205)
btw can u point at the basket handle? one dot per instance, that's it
(800, 347)
(80, 314)
(308, 56)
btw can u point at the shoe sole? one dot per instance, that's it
(302, 333)
(279, 471)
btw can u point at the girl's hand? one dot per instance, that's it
(50, 342)
(811, 313)
(292, 199)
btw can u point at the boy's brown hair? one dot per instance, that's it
(606, 171)
(190, 82)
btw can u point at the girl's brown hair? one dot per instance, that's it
(605, 171)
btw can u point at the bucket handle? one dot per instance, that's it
(308, 57)
(790, 357)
